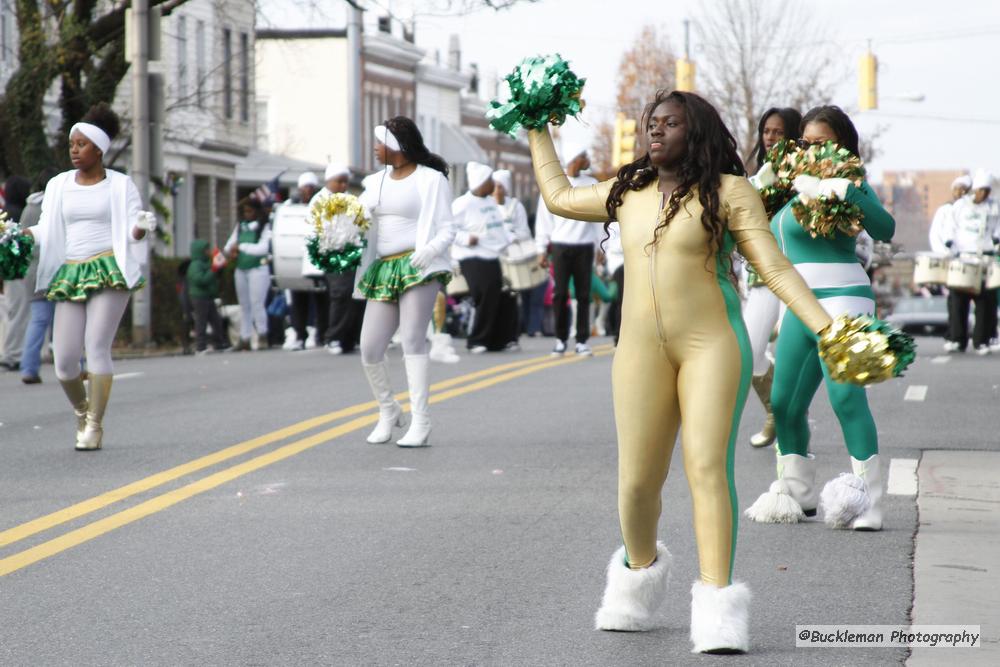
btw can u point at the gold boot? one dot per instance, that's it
(100, 392)
(762, 385)
(76, 392)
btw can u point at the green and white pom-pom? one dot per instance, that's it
(15, 249)
(539, 91)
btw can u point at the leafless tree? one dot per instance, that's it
(755, 54)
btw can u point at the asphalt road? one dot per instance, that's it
(311, 547)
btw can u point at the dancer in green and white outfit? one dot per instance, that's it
(831, 270)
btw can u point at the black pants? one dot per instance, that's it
(576, 261)
(495, 322)
(306, 303)
(346, 313)
(206, 314)
(958, 317)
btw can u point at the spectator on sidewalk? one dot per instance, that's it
(203, 290)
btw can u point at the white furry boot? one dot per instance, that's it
(792, 497)
(390, 413)
(871, 472)
(441, 349)
(631, 597)
(419, 383)
(844, 499)
(720, 618)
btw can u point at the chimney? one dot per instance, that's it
(454, 53)
(410, 33)
(474, 79)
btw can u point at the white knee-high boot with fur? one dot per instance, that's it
(632, 597)
(720, 618)
(854, 499)
(390, 413)
(419, 383)
(792, 497)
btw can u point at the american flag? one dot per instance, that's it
(269, 193)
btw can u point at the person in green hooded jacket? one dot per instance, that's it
(203, 289)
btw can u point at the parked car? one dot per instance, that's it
(921, 314)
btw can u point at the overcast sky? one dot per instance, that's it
(947, 52)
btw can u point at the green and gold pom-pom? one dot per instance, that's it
(775, 195)
(15, 249)
(829, 160)
(863, 350)
(825, 216)
(539, 91)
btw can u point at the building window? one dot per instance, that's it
(227, 73)
(182, 57)
(244, 77)
(199, 62)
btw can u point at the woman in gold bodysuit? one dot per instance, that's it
(683, 360)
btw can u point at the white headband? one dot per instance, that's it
(384, 135)
(98, 136)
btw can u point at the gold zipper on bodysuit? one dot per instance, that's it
(652, 276)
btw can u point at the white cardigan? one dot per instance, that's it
(50, 232)
(435, 227)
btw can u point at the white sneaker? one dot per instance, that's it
(995, 344)
(583, 350)
(477, 349)
(560, 349)
(333, 347)
(982, 350)
(513, 346)
(950, 346)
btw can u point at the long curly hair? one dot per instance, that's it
(411, 143)
(711, 152)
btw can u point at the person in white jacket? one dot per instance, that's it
(480, 237)
(572, 244)
(250, 244)
(515, 220)
(943, 221)
(92, 248)
(402, 268)
(975, 231)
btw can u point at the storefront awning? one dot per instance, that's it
(457, 147)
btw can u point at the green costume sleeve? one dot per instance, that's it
(877, 220)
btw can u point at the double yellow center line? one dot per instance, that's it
(441, 391)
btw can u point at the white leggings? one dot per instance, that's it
(410, 315)
(89, 326)
(760, 313)
(251, 292)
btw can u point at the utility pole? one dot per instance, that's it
(355, 44)
(141, 300)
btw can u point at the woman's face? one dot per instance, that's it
(774, 131)
(667, 134)
(818, 132)
(338, 183)
(82, 152)
(248, 213)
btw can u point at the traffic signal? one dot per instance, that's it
(623, 146)
(868, 82)
(685, 75)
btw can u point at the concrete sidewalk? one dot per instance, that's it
(957, 553)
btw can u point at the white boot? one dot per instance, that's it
(390, 413)
(631, 597)
(792, 497)
(720, 618)
(871, 472)
(441, 349)
(844, 499)
(420, 420)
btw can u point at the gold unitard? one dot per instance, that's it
(683, 358)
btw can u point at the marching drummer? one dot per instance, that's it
(481, 237)
(975, 231)
(943, 221)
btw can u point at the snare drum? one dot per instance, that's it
(965, 274)
(519, 264)
(930, 269)
(993, 274)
